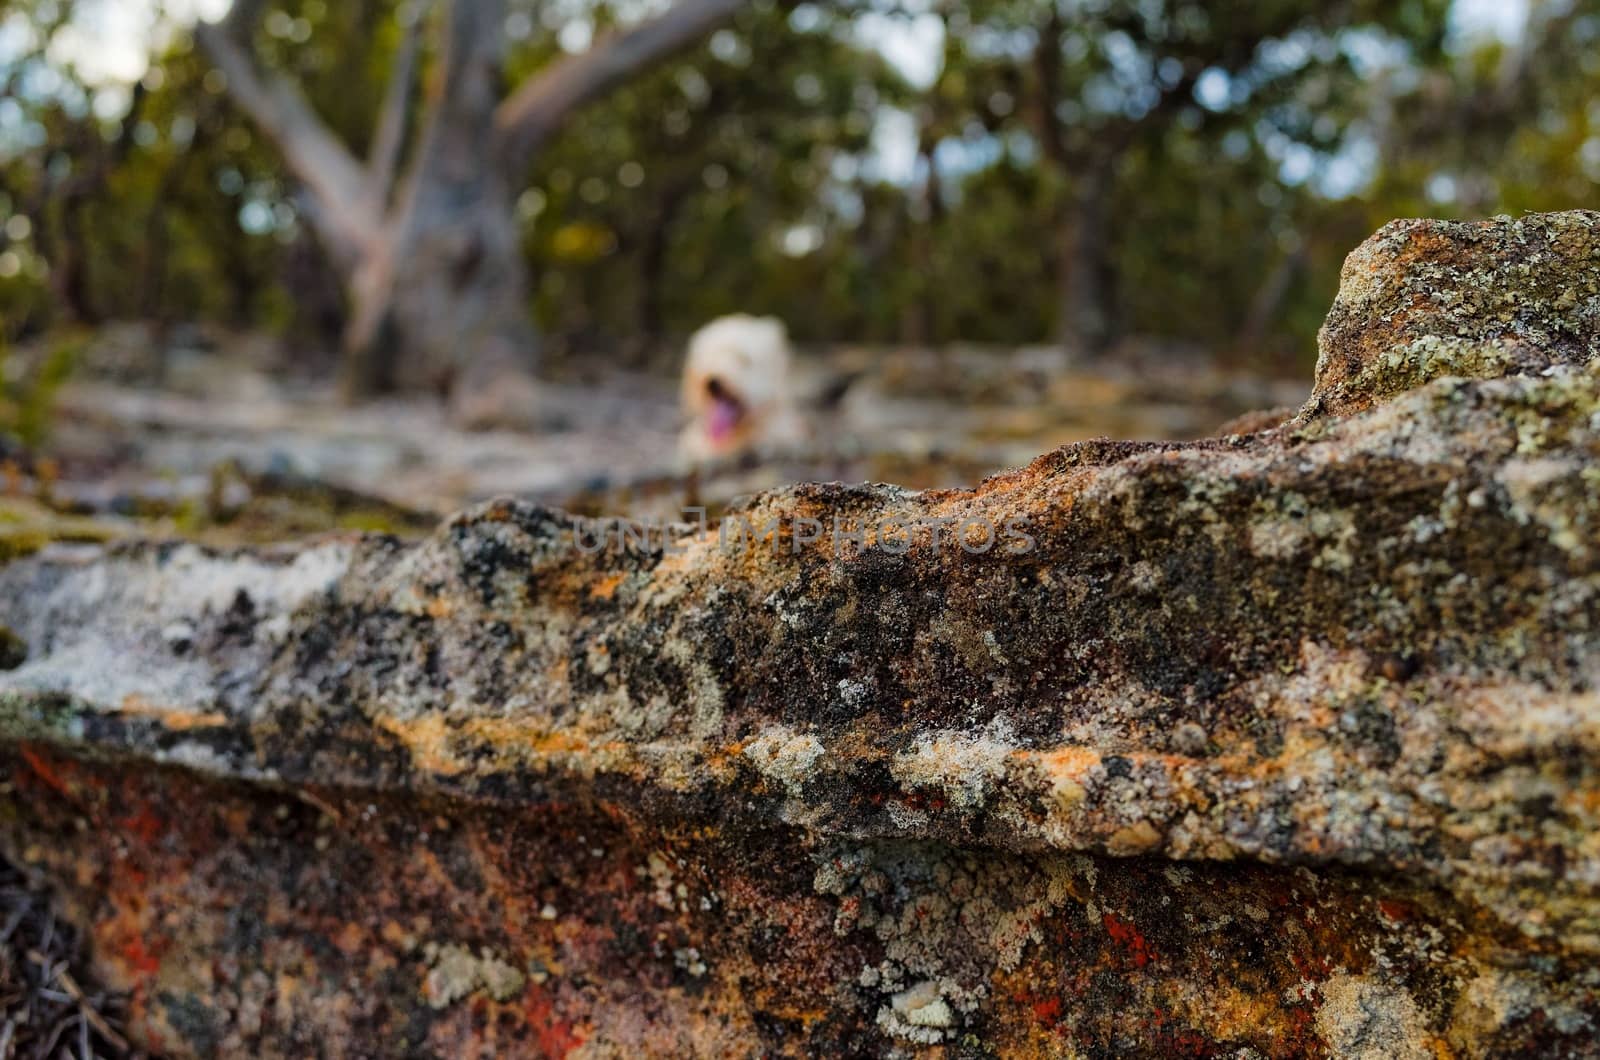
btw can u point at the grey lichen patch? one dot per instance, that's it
(455, 972)
(1553, 493)
(688, 959)
(965, 767)
(1363, 1018)
(199, 757)
(947, 921)
(785, 756)
(1336, 532)
(1279, 531)
(919, 1014)
(1504, 998)
(923, 1006)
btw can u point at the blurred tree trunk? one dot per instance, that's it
(155, 252)
(439, 298)
(653, 257)
(71, 276)
(920, 323)
(429, 253)
(1088, 282)
(440, 302)
(70, 280)
(1086, 169)
(1085, 161)
(1267, 305)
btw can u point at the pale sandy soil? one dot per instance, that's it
(917, 418)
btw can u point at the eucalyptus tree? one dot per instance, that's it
(422, 229)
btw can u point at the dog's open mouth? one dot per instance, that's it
(726, 410)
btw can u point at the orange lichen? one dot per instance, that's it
(605, 587)
(555, 1036)
(45, 771)
(1047, 1011)
(138, 958)
(133, 706)
(144, 825)
(1125, 934)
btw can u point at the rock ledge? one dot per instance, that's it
(1279, 745)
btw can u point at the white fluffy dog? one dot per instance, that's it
(736, 390)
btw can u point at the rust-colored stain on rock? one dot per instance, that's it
(1283, 744)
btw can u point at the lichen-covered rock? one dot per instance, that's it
(1285, 744)
(1425, 299)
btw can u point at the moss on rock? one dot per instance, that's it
(1424, 299)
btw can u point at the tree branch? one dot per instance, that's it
(346, 217)
(384, 159)
(535, 112)
(458, 106)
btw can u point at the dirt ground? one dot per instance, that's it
(208, 435)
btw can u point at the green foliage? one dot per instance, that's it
(28, 390)
(1246, 146)
(142, 215)
(686, 193)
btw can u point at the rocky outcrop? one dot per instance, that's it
(1421, 300)
(1282, 744)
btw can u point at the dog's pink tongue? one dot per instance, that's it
(723, 419)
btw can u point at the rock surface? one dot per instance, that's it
(1283, 744)
(1426, 299)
